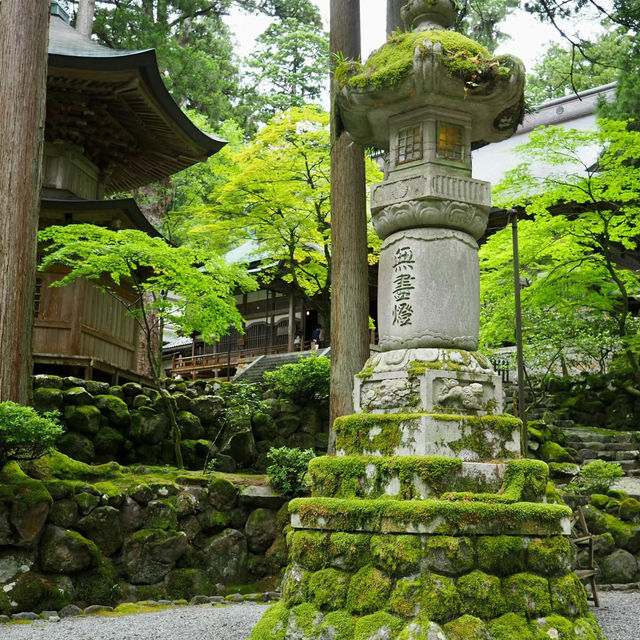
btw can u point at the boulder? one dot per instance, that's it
(116, 390)
(47, 381)
(190, 426)
(140, 401)
(630, 510)
(287, 423)
(184, 402)
(190, 526)
(83, 418)
(13, 562)
(553, 452)
(77, 446)
(148, 427)
(69, 382)
(108, 442)
(225, 463)
(130, 515)
(64, 513)
(223, 495)
(34, 592)
(64, 551)
(256, 496)
(187, 583)
(149, 554)
(264, 427)
(160, 515)
(104, 527)
(77, 396)
(242, 448)
(87, 501)
(96, 388)
(130, 390)
(261, 530)
(226, 557)
(212, 521)
(47, 399)
(114, 409)
(620, 567)
(207, 408)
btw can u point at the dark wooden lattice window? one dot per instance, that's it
(36, 298)
(409, 144)
(450, 142)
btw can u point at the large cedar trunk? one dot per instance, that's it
(84, 17)
(394, 21)
(24, 33)
(349, 268)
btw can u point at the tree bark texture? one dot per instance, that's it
(394, 20)
(349, 267)
(24, 35)
(84, 17)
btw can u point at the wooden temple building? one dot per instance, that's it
(111, 126)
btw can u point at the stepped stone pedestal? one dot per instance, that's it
(428, 524)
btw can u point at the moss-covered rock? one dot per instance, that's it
(213, 521)
(376, 626)
(422, 629)
(553, 452)
(527, 594)
(501, 555)
(338, 625)
(368, 591)
(113, 408)
(553, 555)
(47, 399)
(467, 627)
(160, 514)
(295, 585)
(190, 425)
(349, 550)
(451, 555)
(304, 621)
(78, 396)
(226, 556)
(568, 596)
(620, 567)
(65, 551)
(48, 381)
(440, 599)
(103, 526)
(553, 626)
(34, 592)
(328, 589)
(309, 549)
(186, 583)
(97, 585)
(630, 510)
(223, 495)
(510, 626)
(84, 418)
(77, 446)
(273, 624)
(396, 555)
(261, 529)
(405, 600)
(599, 500)
(149, 554)
(108, 442)
(64, 513)
(481, 595)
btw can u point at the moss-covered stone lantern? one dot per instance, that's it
(428, 524)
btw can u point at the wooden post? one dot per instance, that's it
(349, 267)
(292, 322)
(24, 36)
(394, 20)
(518, 313)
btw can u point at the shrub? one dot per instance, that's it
(24, 434)
(596, 477)
(286, 473)
(306, 380)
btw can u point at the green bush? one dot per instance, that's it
(305, 381)
(596, 477)
(24, 434)
(286, 473)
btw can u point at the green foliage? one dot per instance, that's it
(563, 70)
(596, 477)
(306, 381)
(578, 297)
(287, 470)
(481, 20)
(24, 434)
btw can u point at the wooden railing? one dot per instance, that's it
(216, 363)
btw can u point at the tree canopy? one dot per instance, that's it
(579, 249)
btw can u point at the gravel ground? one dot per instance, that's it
(619, 616)
(233, 622)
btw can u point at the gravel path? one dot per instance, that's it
(233, 622)
(619, 616)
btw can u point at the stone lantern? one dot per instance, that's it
(427, 523)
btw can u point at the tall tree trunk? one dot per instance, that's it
(394, 20)
(349, 267)
(24, 36)
(84, 17)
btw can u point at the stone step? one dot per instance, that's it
(627, 465)
(627, 455)
(602, 446)
(590, 454)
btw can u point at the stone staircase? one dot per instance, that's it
(253, 373)
(601, 444)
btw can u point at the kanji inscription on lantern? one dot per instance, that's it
(403, 285)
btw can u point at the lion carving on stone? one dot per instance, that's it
(455, 394)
